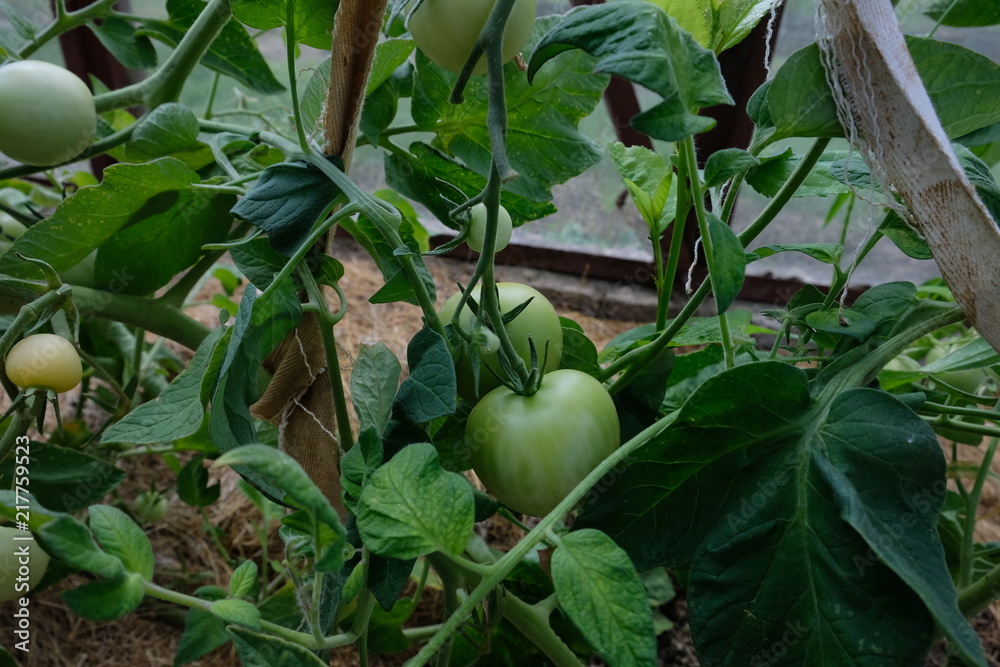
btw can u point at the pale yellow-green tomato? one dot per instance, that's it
(44, 360)
(22, 563)
(477, 228)
(47, 113)
(446, 30)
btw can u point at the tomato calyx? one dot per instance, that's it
(483, 338)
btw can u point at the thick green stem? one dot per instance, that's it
(534, 624)
(22, 419)
(150, 314)
(64, 22)
(969, 523)
(326, 327)
(166, 83)
(503, 567)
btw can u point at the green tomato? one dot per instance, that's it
(530, 451)
(150, 507)
(446, 30)
(44, 360)
(968, 380)
(22, 563)
(47, 114)
(539, 321)
(477, 228)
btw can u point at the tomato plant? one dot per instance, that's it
(44, 360)
(206, 270)
(538, 323)
(22, 563)
(47, 113)
(447, 30)
(530, 451)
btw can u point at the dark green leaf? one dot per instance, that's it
(601, 593)
(203, 633)
(411, 506)
(638, 41)
(122, 538)
(727, 163)
(260, 650)
(313, 18)
(544, 144)
(965, 13)
(579, 352)
(357, 465)
(729, 263)
(374, 381)
(67, 479)
(106, 599)
(93, 214)
(828, 253)
(287, 200)
(119, 37)
(258, 261)
(429, 391)
(178, 411)
(192, 484)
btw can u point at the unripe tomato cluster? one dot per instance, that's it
(531, 451)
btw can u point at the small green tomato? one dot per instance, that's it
(477, 228)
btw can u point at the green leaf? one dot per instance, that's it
(702, 330)
(313, 18)
(233, 53)
(965, 13)
(258, 261)
(203, 633)
(170, 129)
(733, 20)
(22, 26)
(261, 324)
(727, 163)
(239, 612)
(828, 253)
(544, 143)
(382, 103)
(602, 594)
(67, 479)
(243, 579)
(357, 465)
(178, 411)
(638, 41)
(801, 104)
(905, 237)
(693, 17)
(106, 599)
(729, 262)
(121, 537)
(72, 542)
(430, 389)
(120, 37)
(297, 488)
(286, 201)
(411, 506)
(793, 533)
(132, 261)
(429, 177)
(192, 484)
(259, 650)
(374, 381)
(85, 220)
(842, 322)
(648, 176)
(579, 352)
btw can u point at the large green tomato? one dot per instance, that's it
(530, 451)
(446, 30)
(539, 321)
(22, 563)
(47, 114)
(44, 360)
